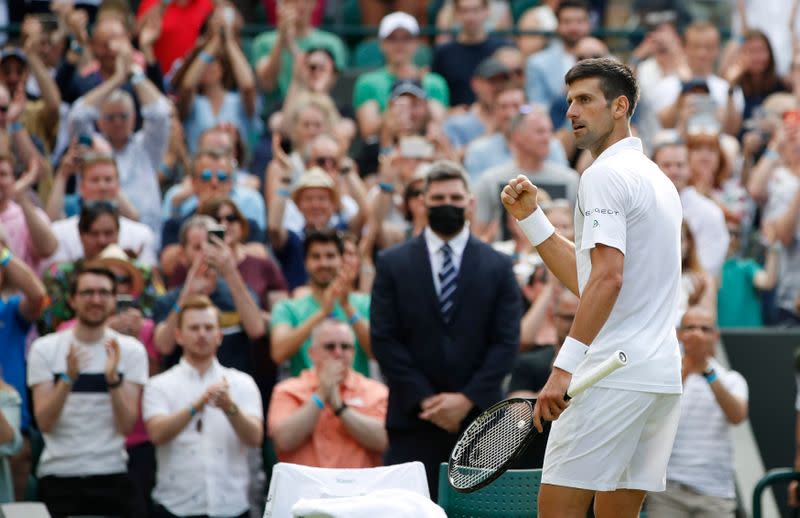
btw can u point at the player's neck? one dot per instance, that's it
(618, 133)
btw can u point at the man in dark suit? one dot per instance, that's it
(445, 326)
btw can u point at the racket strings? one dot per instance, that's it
(488, 443)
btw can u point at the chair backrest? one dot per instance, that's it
(514, 495)
(24, 510)
(291, 482)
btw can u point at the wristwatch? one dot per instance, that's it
(341, 409)
(232, 410)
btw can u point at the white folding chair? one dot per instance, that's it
(291, 482)
(24, 510)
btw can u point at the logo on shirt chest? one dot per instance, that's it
(610, 212)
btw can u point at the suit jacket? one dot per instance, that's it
(419, 353)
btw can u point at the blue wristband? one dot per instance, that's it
(355, 318)
(386, 187)
(192, 411)
(318, 401)
(137, 78)
(205, 57)
(65, 378)
(284, 192)
(15, 127)
(712, 377)
(176, 308)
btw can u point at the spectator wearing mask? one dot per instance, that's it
(704, 217)
(331, 293)
(700, 475)
(216, 84)
(75, 233)
(456, 61)
(137, 153)
(273, 51)
(530, 136)
(437, 290)
(86, 383)
(203, 418)
(329, 416)
(398, 34)
(701, 46)
(493, 148)
(214, 273)
(545, 70)
(27, 228)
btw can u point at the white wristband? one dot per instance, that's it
(537, 227)
(570, 355)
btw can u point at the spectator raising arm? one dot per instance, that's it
(49, 396)
(125, 397)
(19, 276)
(268, 68)
(242, 73)
(276, 200)
(32, 36)
(43, 240)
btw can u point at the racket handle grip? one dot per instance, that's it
(612, 363)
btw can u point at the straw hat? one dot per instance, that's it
(113, 256)
(316, 177)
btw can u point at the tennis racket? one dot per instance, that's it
(496, 438)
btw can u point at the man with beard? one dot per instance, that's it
(293, 320)
(445, 326)
(86, 383)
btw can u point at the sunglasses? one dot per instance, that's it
(3, 108)
(111, 117)
(413, 193)
(123, 279)
(331, 346)
(207, 175)
(228, 218)
(326, 161)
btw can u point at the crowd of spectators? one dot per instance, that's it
(194, 225)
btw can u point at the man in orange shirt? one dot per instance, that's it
(329, 416)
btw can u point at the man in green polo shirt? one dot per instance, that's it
(398, 35)
(294, 319)
(273, 51)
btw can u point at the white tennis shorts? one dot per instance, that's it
(612, 439)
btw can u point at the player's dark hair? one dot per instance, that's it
(616, 79)
(327, 235)
(571, 4)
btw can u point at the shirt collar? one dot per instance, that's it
(457, 243)
(192, 371)
(623, 145)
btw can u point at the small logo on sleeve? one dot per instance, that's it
(595, 224)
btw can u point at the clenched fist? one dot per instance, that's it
(519, 197)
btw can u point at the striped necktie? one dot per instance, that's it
(447, 283)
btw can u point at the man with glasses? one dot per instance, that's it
(204, 419)
(457, 60)
(700, 476)
(398, 33)
(329, 415)
(137, 153)
(86, 383)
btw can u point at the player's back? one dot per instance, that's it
(627, 202)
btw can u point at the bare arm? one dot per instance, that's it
(48, 403)
(18, 275)
(286, 340)
(532, 320)
(369, 431)
(277, 206)
(767, 278)
(786, 223)
(191, 79)
(368, 116)
(125, 406)
(732, 118)
(761, 174)
(246, 306)
(600, 293)
(43, 239)
(249, 429)
(242, 74)
(735, 409)
(360, 328)
(558, 254)
(164, 335)
(296, 428)
(47, 86)
(164, 428)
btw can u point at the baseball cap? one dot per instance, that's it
(13, 52)
(491, 67)
(399, 20)
(408, 87)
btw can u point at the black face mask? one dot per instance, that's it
(447, 220)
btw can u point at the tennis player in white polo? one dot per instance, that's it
(614, 440)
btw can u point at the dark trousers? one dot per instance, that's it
(161, 512)
(430, 445)
(142, 473)
(103, 495)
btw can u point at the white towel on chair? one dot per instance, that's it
(386, 503)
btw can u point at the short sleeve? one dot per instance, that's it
(39, 368)
(248, 397)
(603, 198)
(136, 367)
(283, 404)
(436, 88)
(364, 90)
(736, 385)
(154, 400)
(282, 314)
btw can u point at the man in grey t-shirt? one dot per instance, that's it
(529, 140)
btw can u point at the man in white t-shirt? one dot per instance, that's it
(613, 441)
(700, 475)
(86, 383)
(203, 419)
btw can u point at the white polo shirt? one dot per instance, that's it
(85, 440)
(201, 472)
(626, 202)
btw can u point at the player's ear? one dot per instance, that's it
(621, 105)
